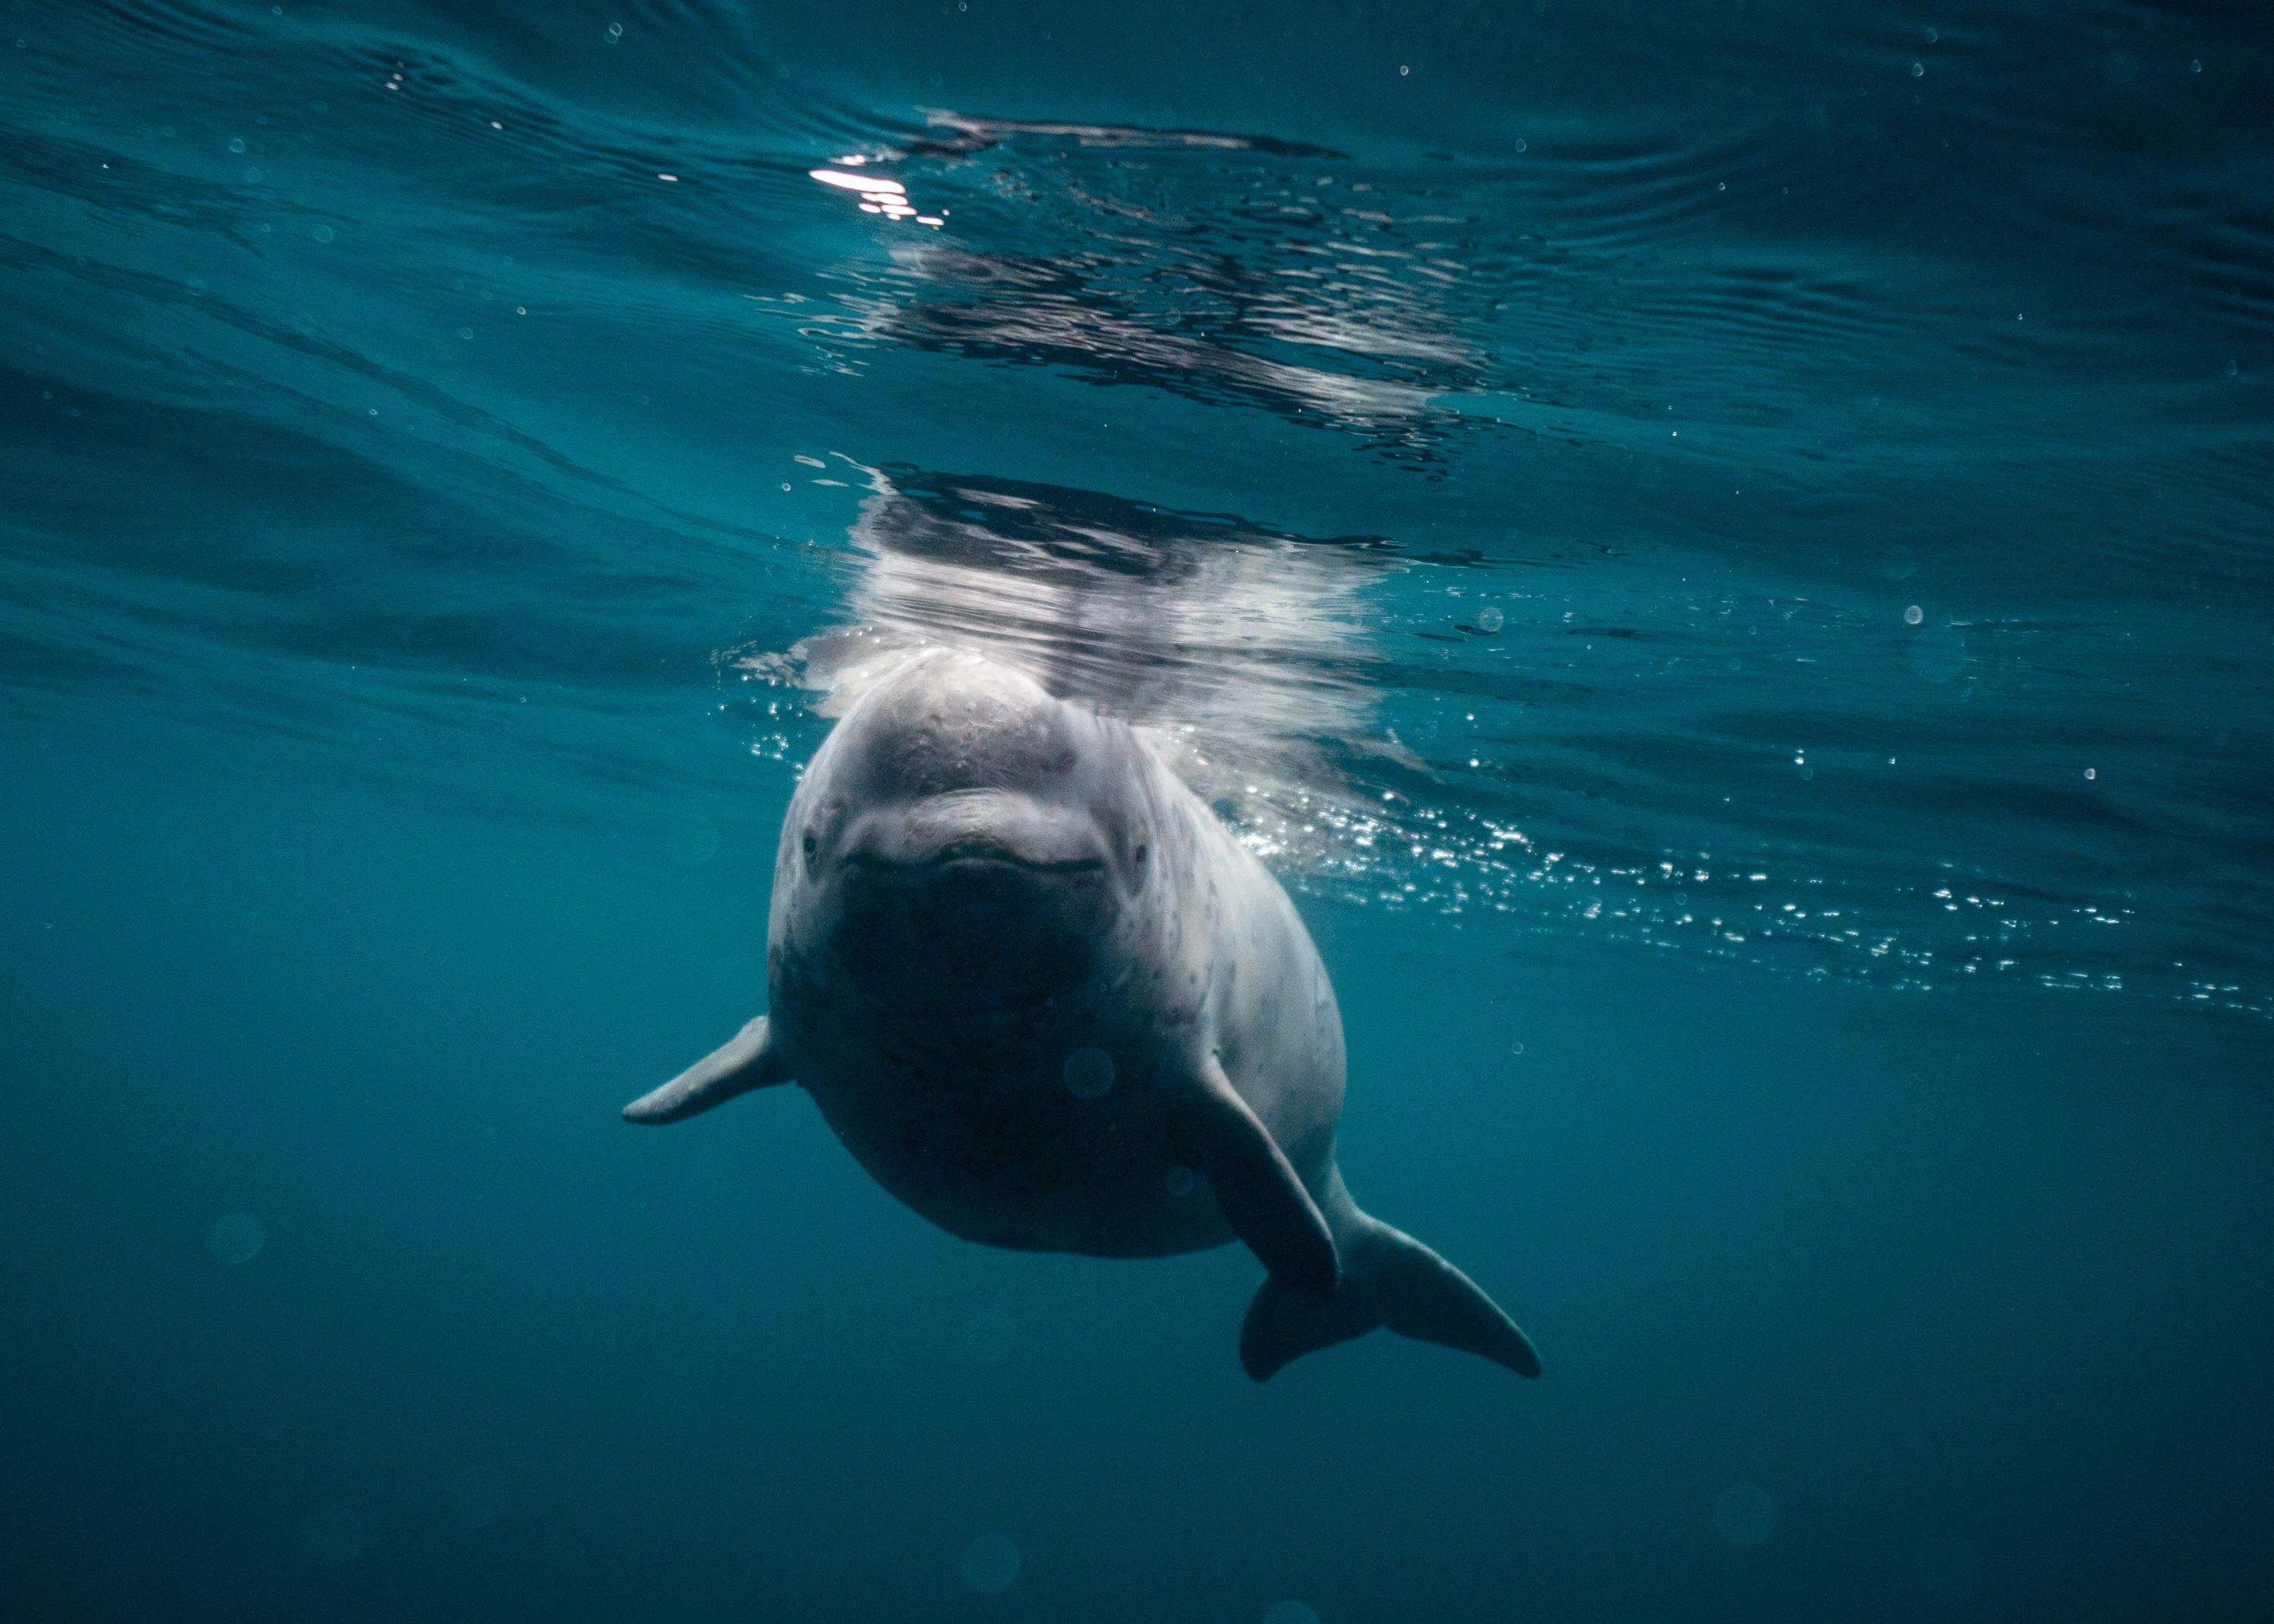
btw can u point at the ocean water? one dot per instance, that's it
(1722, 552)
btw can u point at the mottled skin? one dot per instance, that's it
(980, 889)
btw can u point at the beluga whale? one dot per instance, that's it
(1050, 1001)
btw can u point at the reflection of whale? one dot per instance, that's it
(1071, 316)
(964, 134)
(1322, 296)
(1237, 644)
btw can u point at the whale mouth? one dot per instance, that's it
(973, 833)
(973, 854)
(1012, 860)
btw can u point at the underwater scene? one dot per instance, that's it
(1481, 796)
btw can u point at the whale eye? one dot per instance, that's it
(1143, 852)
(811, 846)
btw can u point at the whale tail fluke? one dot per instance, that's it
(1388, 1279)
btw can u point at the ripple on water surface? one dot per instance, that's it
(1553, 524)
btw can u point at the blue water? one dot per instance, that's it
(1722, 552)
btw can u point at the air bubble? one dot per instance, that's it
(1088, 1073)
(1743, 1514)
(1491, 619)
(1913, 615)
(322, 233)
(990, 1562)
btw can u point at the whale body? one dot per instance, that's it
(1048, 1001)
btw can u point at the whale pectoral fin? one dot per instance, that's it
(748, 1060)
(1255, 1183)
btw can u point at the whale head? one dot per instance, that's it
(965, 835)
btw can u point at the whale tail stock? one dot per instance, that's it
(1388, 1278)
